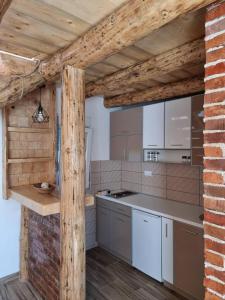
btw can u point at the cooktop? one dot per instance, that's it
(121, 194)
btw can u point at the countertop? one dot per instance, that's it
(43, 204)
(182, 212)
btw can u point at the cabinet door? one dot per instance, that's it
(197, 137)
(103, 227)
(134, 150)
(126, 122)
(167, 250)
(121, 236)
(189, 259)
(178, 124)
(153, 126)
(118, 146)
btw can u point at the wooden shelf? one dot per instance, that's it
(30, 130)
(28, 160)
(43, 204)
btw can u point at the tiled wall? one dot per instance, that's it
(170, 181)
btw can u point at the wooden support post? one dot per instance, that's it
(72, 276)
(24, 243)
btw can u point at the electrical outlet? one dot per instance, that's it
(148, 173)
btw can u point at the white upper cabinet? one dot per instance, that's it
(153, 126)
(178, 124)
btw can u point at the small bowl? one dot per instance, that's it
(49, 190)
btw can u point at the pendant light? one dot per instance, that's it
(40, 115)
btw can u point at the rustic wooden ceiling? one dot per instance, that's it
(38, 28)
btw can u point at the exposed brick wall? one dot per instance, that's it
(214, 147)
(44, 254)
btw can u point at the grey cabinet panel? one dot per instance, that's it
(126, 134)
(134, 148)
(121, 235)
(103, 227)
(118, 147)
(114, 228)
(126, 122)
(189, 259)
(120, 208)
(197, 137)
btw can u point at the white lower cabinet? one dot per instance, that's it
(167, 250)
(147, 243)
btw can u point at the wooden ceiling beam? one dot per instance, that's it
(163, 91)
(131, 22)
(4, 5)
(153, 68)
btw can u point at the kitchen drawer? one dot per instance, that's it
(120, 208)
(104, 203)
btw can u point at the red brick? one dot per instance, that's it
(211, 177)
(216, 12)
(215, 286)
(218, 124)
(210, 296)
(217, 69)
(217, 110)
(215, 55)
(214, 164)
(214, 137)
(216, 41)
(217, 205)
(214, 231)
(214, 259)
(215, 191)
(44, 255)
(214, 218)
(213, 151)
(215, 83)
(212, 272)
(214, 97)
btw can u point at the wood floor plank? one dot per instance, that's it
(108, 278)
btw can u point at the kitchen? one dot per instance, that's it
(113, 150)
(149, 194)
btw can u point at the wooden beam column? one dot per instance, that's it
(72, 276)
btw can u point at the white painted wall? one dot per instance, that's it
(98, 118)
(9, 228)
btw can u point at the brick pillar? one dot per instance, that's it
(214, 147)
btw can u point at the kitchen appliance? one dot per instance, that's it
(147, 243)
(121, 194)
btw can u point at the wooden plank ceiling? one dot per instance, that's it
(38, 28)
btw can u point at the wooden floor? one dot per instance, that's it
(108, 278)
(12, 289)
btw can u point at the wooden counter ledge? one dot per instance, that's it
(43, 204)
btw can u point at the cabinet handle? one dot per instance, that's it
(153, 145)
(166, 230)
(177, 145)
(124, 154)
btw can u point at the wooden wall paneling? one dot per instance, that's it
(31, 146)
(5, 184)
(24, 243)
(72, 216)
